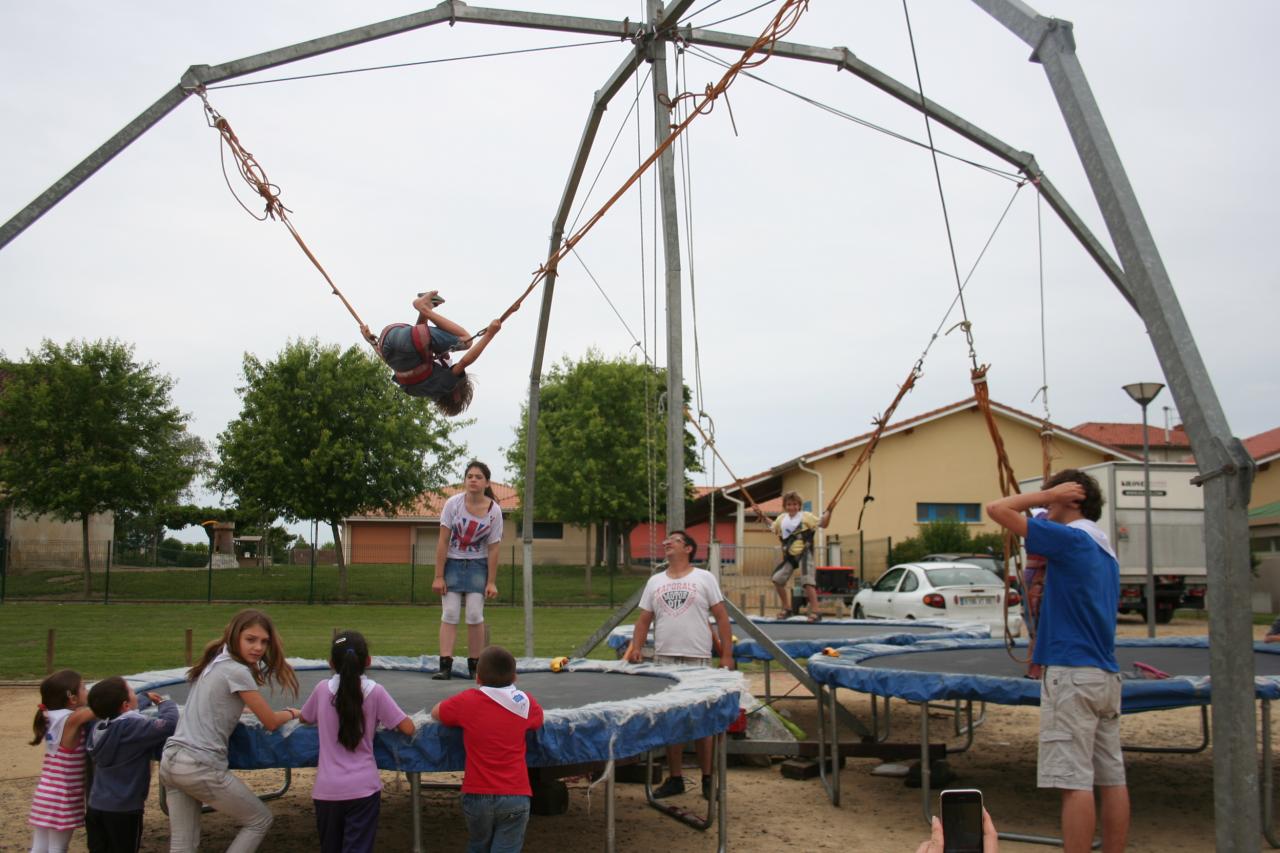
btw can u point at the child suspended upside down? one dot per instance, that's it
(419, 355)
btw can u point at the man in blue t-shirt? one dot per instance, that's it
(1076, 646)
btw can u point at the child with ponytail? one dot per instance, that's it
(348, 708)
(57, 808)
(225, 682)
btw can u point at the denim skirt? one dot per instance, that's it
(466, 575)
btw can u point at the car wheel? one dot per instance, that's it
(858, 613)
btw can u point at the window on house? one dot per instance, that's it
(969, 513)
(543, 529)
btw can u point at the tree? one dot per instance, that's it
(600, 437)
(945, 536)
(85, 429)
(324, 433)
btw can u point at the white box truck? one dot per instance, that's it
(1177, 532)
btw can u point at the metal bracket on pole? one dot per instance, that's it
(743, 623)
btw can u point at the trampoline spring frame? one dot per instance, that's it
(716, 806)
(1180, 750)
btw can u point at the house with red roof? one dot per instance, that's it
(410, 535)
(937, 465)
(1166, 445)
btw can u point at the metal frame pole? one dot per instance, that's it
(1226, 469)
(671, 255)
(1146, 502)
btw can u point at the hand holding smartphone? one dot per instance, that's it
(961, 820)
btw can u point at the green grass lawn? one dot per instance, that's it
(118, 639)
(380, 583)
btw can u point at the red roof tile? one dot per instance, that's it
(429, 504)
(1130, 435)
(961, 405)
(1264, 445)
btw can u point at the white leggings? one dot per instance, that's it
(45, 840)
(452, 605)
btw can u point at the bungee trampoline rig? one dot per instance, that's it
(1138, 273)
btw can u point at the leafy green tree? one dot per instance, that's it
(323, 433)
(600, 437)
(86, 429)
(946, 536)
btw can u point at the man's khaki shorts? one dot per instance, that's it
(1079, 728)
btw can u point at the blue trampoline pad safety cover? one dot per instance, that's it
(800, 638)
(593, 711)
(985, 670)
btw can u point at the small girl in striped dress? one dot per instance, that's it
(57, 808)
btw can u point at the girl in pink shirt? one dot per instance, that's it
(57, 808)
(348, 708)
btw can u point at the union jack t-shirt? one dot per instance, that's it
(470, 535)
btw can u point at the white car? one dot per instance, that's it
(940, 591)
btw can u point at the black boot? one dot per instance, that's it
(471, 667)
(446, 669)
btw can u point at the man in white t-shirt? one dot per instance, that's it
(678, 604)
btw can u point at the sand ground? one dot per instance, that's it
(1172, 794)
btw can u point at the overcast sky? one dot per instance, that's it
(818, 254)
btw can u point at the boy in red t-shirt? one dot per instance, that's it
(494, 718)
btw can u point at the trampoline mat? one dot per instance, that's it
(1175, 660)
(415, 690)
(782, 631)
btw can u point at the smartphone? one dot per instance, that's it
(961, 820)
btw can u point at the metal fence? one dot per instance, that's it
(54, 571)
(746, 571)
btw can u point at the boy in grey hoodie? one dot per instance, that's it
(122, 744)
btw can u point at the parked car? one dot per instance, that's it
(937, 590)
(986, 561)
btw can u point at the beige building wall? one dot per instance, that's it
(42, 540)
(390, 541)
(1266, 485)
(946, 460)
(571, 548)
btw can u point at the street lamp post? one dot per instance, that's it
(1143, 393)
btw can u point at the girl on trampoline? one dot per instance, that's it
(467, 564)
(57, 807)
(348, 708)
(419, 354)
(193, 768)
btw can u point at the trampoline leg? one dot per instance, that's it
(880, 737)
(415, 809)
(610, 836)
(822, 744)
(924, 763)
(721, 798)
(1267, 786)
(835, 751)
(767, 688)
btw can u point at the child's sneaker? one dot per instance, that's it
(673, 787)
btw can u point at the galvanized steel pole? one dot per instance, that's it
(1226, 469)
(671, 254)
